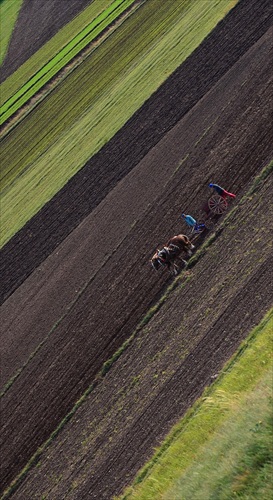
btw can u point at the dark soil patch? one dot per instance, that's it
(38, 21)
(121, 287)
(244, 25)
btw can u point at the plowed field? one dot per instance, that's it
(78, 305)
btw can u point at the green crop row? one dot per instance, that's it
(25, 72)
(62, 58)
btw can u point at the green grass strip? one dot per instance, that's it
(9, 10)
(50, 69)
(50, 145)
(24, 73)
(217, 436)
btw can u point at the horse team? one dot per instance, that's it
(170, 252)
(167, 256)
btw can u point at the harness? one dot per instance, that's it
(173, 248)
(163, 256)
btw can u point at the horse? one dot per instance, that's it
(170, 252)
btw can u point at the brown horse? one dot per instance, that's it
(171, 251)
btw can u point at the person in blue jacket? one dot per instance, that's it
(190, 221)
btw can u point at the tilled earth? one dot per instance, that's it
(167, 365)
(78, 306)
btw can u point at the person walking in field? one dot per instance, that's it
(221, 191)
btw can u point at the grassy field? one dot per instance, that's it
(45, 150)
(222, 448)
(62, 58)
(9, 10)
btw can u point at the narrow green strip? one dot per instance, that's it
(30, 67)
(50, 69)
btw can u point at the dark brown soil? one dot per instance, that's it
(76, 309)
(151, 386)
(38, 21)
(165, 368)
(189, 83)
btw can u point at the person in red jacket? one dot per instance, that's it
(221, 191)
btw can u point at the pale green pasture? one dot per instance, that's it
(91, 105)
(212, 452)
(9, 10)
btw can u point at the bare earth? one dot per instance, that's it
(77, 306)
